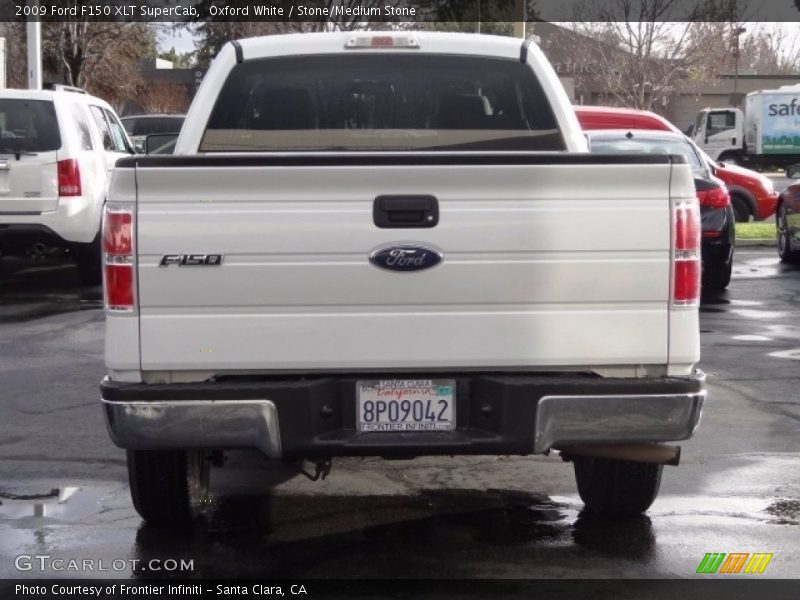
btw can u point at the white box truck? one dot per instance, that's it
(766, 134)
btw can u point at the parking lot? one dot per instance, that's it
(64, 493)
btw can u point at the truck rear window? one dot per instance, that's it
(28, 126)
(381, 102)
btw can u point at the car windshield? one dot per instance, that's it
(381, 102)
(636, 144)
(28, 126)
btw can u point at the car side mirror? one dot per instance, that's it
(690, 130)
(108, 143)
(160, 143)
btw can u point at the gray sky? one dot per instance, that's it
(182, 40)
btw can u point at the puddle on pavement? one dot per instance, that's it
(757, 269)
(793, 354)
(746, 303)
(427, 534)
(67, 503)
(752, 338)
(714, 302)
(784, 331)
(434, 533)
(759, 315)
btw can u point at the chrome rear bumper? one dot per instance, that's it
(498, 415)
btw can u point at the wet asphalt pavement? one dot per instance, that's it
(63, 489)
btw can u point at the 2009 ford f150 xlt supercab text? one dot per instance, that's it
(397, 245)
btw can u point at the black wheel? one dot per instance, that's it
(741, 208)
(616, 488)
(88, 259)
(168, 487)
(731, 158)
(785, 251)
(718, 278)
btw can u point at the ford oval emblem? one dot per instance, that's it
(405, 257)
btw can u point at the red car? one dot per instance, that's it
(752, 194)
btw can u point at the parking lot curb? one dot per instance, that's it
(756, 242)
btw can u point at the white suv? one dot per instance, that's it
(57, 150)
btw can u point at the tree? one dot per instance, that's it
(164, 97)
(773, 51)
(16, 56)
(102, 57)
(640, 55)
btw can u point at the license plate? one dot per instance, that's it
(406, 405)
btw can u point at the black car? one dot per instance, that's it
(140, 126)
(717, 215)
(787, 220)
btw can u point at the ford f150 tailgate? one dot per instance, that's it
(547, 260)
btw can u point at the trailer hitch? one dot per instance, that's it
(322, 468)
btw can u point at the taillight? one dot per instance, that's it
(686, 255)
(715, 197)
(69, 177)
(118, 263)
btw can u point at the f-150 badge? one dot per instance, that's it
(191, 260)
(405, 257)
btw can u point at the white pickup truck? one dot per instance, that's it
(397, 245)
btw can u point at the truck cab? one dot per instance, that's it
(720, 133)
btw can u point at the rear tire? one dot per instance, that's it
(616, 488)
(168, 487)
(718, 279)
(785, 251)
(741, 209)
(88, 258)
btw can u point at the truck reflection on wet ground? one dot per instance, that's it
(32, 289)
(431, 534)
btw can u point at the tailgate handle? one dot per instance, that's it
(405, 211)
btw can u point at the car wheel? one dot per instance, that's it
(168, 487)
(793, 171)
(785, 251)
(88, 259)
(718, 278)
(616, 488)
(731, 158)
(741, 208)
